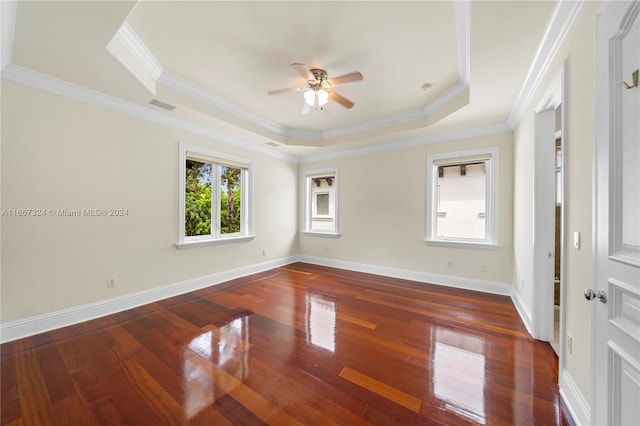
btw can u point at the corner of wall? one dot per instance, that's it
(522, 308)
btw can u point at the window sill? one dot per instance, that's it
(464, 244)
(321, 234)
(212, 242)
(322, 218)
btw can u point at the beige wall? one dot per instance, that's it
(382, 213)
(578, 51)
(60, 153)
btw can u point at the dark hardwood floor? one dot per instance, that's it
(301, 344)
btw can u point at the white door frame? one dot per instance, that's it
(544, 214)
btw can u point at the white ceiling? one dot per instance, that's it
(215, 61)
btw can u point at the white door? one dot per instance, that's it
(616, 327)
(544, 221)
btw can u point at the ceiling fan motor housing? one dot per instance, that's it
(320, 75)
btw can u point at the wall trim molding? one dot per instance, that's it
(66, 89)
(561, 23)
(44, 82)
(7, 30)
(407, 274)
(53, 320)
(410, 143)
(140, 50)
(426, 277)
(50, 321)
(577, 404)
(127, 48)
(195, 91)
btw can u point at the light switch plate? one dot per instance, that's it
(576, 240)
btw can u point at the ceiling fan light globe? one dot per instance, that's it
(309, 97)
(323, 97)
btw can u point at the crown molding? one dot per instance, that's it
(561, 23)
(410, 143)
(66, 89)
(132, 53)
(63, 88)
(7, 30)
(463, 34)
(136, 47)
(200, 93)
(136, 50)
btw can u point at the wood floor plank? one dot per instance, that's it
(167, 409)
(71, 411)
(302, 344)
(10, 404)
(381, 389)
(254, 402)
(358, 321)
(34, 396)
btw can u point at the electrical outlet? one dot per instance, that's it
(326, 249)
(522, 283)
(111, 282)
(450, 264)
(570, 343)
(264, 252)
(483, 268)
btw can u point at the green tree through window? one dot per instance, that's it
(197, 199)
(230, 196)
(215, 197)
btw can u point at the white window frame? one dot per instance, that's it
(491, 229)
(308, 215)
(217, 160)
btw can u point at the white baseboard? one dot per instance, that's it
(523, 310)
(574, 399)
(51, 321)
(445, 280)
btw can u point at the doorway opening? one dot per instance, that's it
(557, 272)
(549, 218)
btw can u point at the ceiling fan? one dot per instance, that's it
(318, 89)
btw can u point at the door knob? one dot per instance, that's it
(600, 295)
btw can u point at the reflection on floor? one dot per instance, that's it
(556, 330)
(301, 344)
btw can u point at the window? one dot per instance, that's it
(461, 198)
(321, 202)
(214, 197)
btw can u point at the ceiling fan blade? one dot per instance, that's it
(303, 70)
(306, 109)
(347, 78)
(287, 90)
(341, 100)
